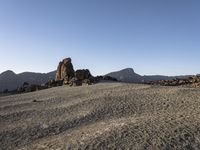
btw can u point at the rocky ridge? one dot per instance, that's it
(66, 75)
(193, 81)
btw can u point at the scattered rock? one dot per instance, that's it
(105, 78)
(23, 87)
(193, 81)
(77, 83)
(86, 82)
(54, 83)
(109, 78)
(26, 87)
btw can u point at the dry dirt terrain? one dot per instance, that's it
(102, 116)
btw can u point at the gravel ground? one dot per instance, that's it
(102, 116)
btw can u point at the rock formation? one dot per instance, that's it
(53, 83)
(65, 70)
(65, 75)
(82, 74)
(193, 81)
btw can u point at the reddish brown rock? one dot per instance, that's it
(65, 70)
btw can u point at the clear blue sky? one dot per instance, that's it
(151, 36)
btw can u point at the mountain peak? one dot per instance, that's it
(8, 72)
(9, 80)
(130, 70)
(126, 75)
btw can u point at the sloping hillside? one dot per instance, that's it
(129, 76)
(9, 80)
(102, 116)
(126, 75)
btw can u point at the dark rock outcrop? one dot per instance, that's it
(82, 74)
(65, 70)
(75, 82)
(192, 81)
(53, 83)
(104, 78)
(26, 87)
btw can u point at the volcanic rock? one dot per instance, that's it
(65, 70)
(75, 82)
(54, 83)
(82, 74)
(192, 81)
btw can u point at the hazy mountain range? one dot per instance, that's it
(128, 75)
(9, 80)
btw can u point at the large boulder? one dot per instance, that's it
(65, 70)
(82, 77)
(82, 74)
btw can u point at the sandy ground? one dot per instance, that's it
(102, 116)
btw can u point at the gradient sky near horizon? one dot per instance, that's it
(150, 36)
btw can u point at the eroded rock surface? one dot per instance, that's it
(65, 70)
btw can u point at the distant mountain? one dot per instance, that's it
(9, 80)
(128, 75)
(148, 78)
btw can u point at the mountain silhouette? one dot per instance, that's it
(129, 76)
(126, 75)
(11, 81)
